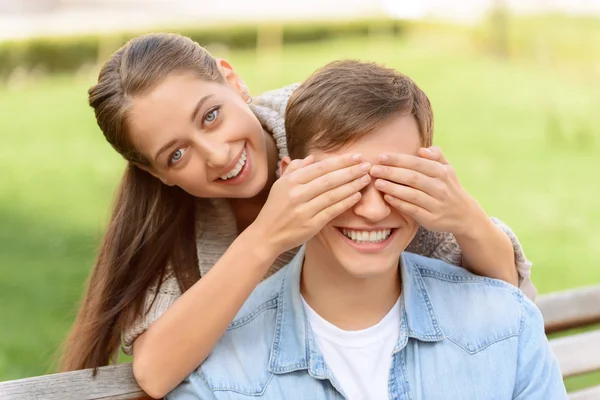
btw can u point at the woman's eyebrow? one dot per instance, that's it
(164, 148)
(199, 105)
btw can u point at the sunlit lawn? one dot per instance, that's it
(524, 139)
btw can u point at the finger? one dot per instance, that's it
(337, 194)
(335, 179)
(325, 216)
(315, 170)
(298, 163)
(417, 213)
(408, 194)
(407, 177)
(308, 160)
(433, 153)
(423, 165)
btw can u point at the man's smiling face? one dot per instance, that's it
(368, 239)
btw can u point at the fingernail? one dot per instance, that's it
(379, 183)
(384, 157)
(356, 157)
(365, 179)
(376, 170)
(428, 151)
(365, 166)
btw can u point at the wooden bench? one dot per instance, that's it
(577, 354)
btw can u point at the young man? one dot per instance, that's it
(349, 317)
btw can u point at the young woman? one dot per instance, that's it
(200, 199)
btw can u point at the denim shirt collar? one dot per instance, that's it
(418, 319)
(294, 347)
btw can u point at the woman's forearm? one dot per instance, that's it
(488, 251)
(181, 339)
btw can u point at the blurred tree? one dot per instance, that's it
(269, 49)
(499, 25)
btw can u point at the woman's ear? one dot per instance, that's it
(233, 78)
(285, 162)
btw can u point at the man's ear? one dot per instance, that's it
(152, 172)
(285, 162)
(232, 77)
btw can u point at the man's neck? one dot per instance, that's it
(348, 302)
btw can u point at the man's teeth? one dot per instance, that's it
(238, 167)
(367, 236)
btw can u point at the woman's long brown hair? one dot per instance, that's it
(151, 230)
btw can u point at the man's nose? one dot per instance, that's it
(372, 207)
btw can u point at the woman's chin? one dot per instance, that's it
(253, 187)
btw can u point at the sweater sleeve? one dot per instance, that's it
(276, 99)
(158, 300)
(443, 246)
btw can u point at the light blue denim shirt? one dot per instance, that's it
(461, 337)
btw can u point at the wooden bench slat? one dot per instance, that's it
(592, 393)
(578, 354)
(115, 382)
(571, 308)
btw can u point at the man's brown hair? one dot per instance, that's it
(346, 100)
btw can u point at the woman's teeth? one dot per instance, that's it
(238, 167)
(367, 236)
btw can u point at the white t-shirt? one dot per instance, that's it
(359, 360)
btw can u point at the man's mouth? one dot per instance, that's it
(366, 236)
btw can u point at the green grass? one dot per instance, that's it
(523, 138)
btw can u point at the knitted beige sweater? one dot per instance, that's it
(216, 229)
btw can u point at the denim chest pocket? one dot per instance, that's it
(250, 387)
(472, 343)
(488, 316)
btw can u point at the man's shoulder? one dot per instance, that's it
(438, 271)
(469, 307)
(263, 297)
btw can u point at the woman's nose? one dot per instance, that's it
(215, 152)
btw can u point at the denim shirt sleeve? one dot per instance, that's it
(538, 372)
(194, 387)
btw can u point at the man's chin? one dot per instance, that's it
(365, 266)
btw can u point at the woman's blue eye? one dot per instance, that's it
(211, 116)
(177, 155)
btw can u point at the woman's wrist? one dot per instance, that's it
(258, 245)
(487, 250)
(474, 225)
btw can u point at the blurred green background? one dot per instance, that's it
(517, 108)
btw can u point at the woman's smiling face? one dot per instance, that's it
(200, 136)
